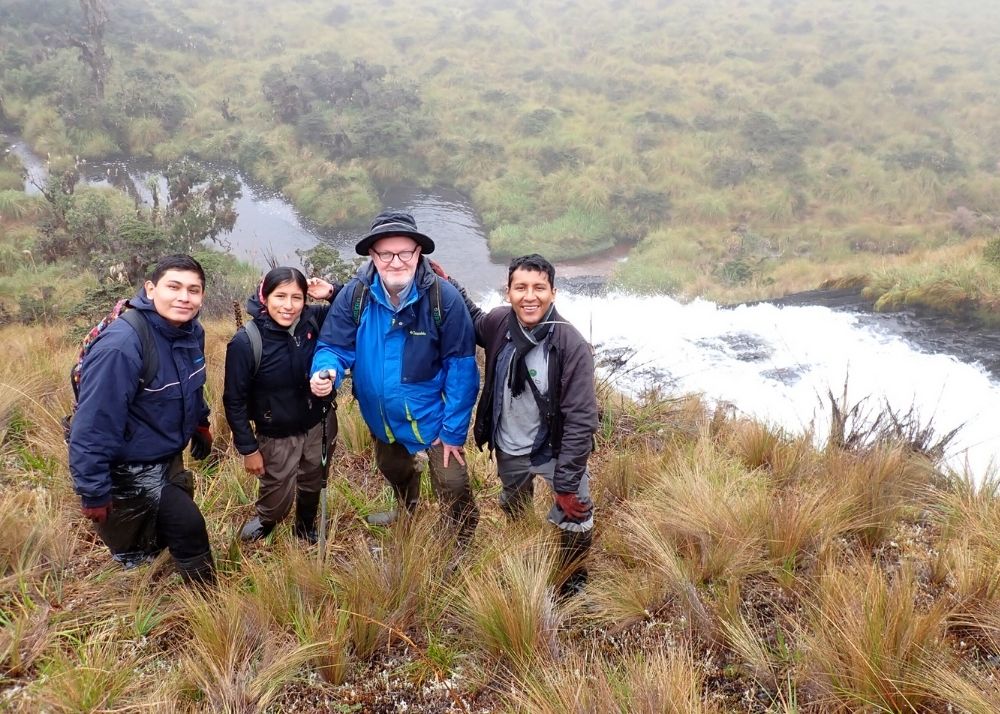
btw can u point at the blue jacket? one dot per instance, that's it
(115, 423)
(414, 381)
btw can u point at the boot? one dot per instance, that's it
(574, 547)
(306, 506)
(256, 529)
(197, 571)
(466, 517)
(382, 518)
(408, 496)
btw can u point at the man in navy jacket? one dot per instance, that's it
(127, 438)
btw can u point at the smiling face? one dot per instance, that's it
(284, 304)
(177, 296)
(530, 294)
(395, 272)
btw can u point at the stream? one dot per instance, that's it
(774, 362)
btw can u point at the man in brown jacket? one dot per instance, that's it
(538, 409)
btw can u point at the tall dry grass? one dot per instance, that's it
(732, 562)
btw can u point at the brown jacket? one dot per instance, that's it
(572, 416)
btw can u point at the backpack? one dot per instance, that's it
(257, 343)
(359, 301)
(150, 356)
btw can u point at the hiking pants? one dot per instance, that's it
(152, 508)
(292, 463)
(450, 485)
(517, 475)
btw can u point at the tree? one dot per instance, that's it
(91, 45)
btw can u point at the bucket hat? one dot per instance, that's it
(394, 223)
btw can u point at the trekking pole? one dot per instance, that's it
(325, 465)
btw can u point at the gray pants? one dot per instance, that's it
(292, 463)
(450, 485)
(518, 478)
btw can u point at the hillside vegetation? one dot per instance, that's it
(736, 569)
(744, 149)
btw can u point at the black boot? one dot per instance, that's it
(256, 529)
(197, 571)
(574, 546)
(306, 507)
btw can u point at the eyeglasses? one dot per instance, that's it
(386, 256)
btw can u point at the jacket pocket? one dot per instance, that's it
(421, 356)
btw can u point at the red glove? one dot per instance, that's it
(571, 505)
(201, 442)
(98, 514)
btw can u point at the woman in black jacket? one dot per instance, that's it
(284, 448)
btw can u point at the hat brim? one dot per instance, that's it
(365, 244)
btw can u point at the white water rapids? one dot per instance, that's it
(779, 363)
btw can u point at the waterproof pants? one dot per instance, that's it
(450, 485)
(151, 509)
(517, 474)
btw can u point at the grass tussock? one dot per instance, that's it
(732, 563)
(667, 682)
(506, 604)
(869, 643)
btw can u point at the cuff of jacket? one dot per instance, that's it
(452, 438)
(95, 501)
(247, 449)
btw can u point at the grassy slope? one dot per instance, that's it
(735, 569)
(748, 150)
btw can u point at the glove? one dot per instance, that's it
(98, 514)
(201, 442)
(572, 506)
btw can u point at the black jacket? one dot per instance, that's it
(277, 399)
(572, 417)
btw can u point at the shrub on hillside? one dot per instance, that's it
(834, 74)
(731, 170)
(991, 252)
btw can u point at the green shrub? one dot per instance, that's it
(991, 252)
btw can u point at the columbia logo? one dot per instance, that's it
(416, 333)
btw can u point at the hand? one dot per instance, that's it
(321, 383)
(572, 506)
(438, 270)
(457, 451)
(319, 289)
(201, 442)
(254, 463)
(97, 514)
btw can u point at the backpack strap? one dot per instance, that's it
(256, 344)
(436, 310)
(359, 301)
(150, 355)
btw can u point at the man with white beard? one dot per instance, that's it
(410, 345)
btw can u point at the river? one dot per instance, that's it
(776, 363)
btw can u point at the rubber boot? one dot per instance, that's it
(408, 496)
(306, 507)
(574, 547)
(466, 516)
(256, 529)
(198, 571)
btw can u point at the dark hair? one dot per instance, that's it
(277, 276)
(178, 261)
(535, 263)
